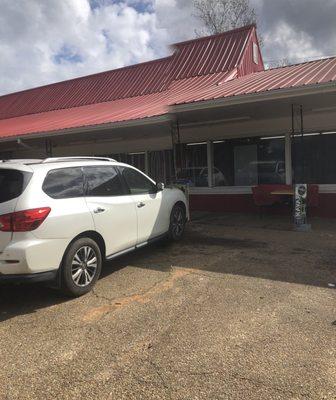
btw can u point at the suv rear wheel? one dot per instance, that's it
(81, 267)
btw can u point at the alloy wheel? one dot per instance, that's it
(177, 222)
(84, 266)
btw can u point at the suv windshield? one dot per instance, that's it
(12, 183)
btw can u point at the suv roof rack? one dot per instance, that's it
(60, 159)
(25, 161)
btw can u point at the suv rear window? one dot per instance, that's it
(12, 183)
(64, 183)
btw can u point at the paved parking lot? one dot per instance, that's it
(241, 309)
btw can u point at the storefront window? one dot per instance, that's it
(137, 160)
(194, 166)
(120, 157)
(161, 166)
(249, 161)
(313, 158)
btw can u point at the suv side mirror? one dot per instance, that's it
(160, 186)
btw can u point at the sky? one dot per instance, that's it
(45, 41)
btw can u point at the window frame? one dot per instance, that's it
(256, 140)
(124, 186)
(25, 177)
(121, 167)
(62, 169)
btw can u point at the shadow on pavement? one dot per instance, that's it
(21, 299)
(26, 299)
(266, 253)
(219, 247)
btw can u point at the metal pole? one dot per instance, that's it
(210, 163)
(288, 158)
(302, 147)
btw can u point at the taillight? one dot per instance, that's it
(23, 221)
(5, 223)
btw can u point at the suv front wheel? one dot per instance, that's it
(177, 222)
(81, 267)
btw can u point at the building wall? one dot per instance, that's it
(261, 121)
(240, 199)
(252, 59)
(243, 203)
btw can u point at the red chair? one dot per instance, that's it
(263, 197)
(313, 196)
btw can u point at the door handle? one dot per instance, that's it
(141, 204)
(98, 210)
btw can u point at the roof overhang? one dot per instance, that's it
(157, 120)
(174, 111)
(276, 94)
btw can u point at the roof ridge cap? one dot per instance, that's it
(204, 38)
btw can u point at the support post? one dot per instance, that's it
(288, 158)
(210, 163)
(300, 188)
(177, 149)
(147, 162)
(48, 147)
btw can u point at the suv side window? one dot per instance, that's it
(103, 181)
(136, 182)
(64, 183)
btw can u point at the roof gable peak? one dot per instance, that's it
(216, 35)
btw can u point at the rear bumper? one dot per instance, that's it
(29, 278)
(30, 256)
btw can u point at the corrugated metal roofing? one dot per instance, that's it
(309, 73)
(137, 80)
(218, 53)
(208, 68)
(209, 55)
(139, 107)
(214, 86)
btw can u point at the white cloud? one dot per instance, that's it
(290, 44)
(43, 41)
(176, 16)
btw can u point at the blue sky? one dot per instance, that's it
(139, 6)
(44, 41)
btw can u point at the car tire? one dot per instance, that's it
(177, 222)
(81, 267)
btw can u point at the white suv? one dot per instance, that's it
(60, 218)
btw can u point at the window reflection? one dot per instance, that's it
(161, 166)
(249, 161)
(137, 160)
(194, 170)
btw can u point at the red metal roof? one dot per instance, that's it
(218, 53)
(137, 80)
(216, 67)
(309, 73)
(139, 107)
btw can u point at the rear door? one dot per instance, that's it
(112, 208)
(12, 184)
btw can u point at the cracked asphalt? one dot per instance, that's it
(242, 308)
